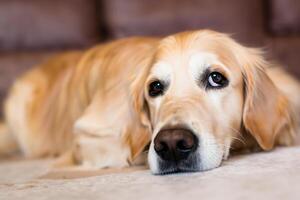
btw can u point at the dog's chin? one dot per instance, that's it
(191, 164)
(175, 169)
(167, 167)
(196, 162)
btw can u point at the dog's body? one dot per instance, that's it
(92, 104)
(81, 95)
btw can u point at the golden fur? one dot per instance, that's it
(92, 104)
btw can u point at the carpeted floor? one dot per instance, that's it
(268, 175)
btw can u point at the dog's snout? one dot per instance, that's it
(175, 144)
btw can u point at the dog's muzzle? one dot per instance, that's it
(176, 150)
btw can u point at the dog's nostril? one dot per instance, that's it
(161, 147)
(185, 145)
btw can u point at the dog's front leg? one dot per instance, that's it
(106, 137)
(100, 151)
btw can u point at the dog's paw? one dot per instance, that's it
(101, 152)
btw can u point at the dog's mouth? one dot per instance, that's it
(176, 150)
(190, 164)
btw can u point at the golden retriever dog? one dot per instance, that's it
(193, 96)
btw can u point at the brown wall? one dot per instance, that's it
(32, 30)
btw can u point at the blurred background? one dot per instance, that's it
(33, 30)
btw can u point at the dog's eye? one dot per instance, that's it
(156, 88)
(216, 80)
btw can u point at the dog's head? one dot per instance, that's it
(196, 95)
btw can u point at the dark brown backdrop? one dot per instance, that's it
(32, 30)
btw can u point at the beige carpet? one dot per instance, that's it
(268, 175)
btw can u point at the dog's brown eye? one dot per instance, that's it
(156, 88)
(216, 80)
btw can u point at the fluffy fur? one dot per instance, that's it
(92, 107)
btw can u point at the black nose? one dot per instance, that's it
(175, 144)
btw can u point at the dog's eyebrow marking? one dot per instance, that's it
(199, 62)
(161, 71)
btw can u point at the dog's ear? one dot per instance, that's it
(267, 115)
(143, 128)
(137, 90)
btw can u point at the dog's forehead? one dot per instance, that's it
(192, 62)
(200, 61)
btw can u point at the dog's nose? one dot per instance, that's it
(175, 144)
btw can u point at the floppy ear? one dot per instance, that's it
(267, 115)
(141, 136)
(139, 103)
